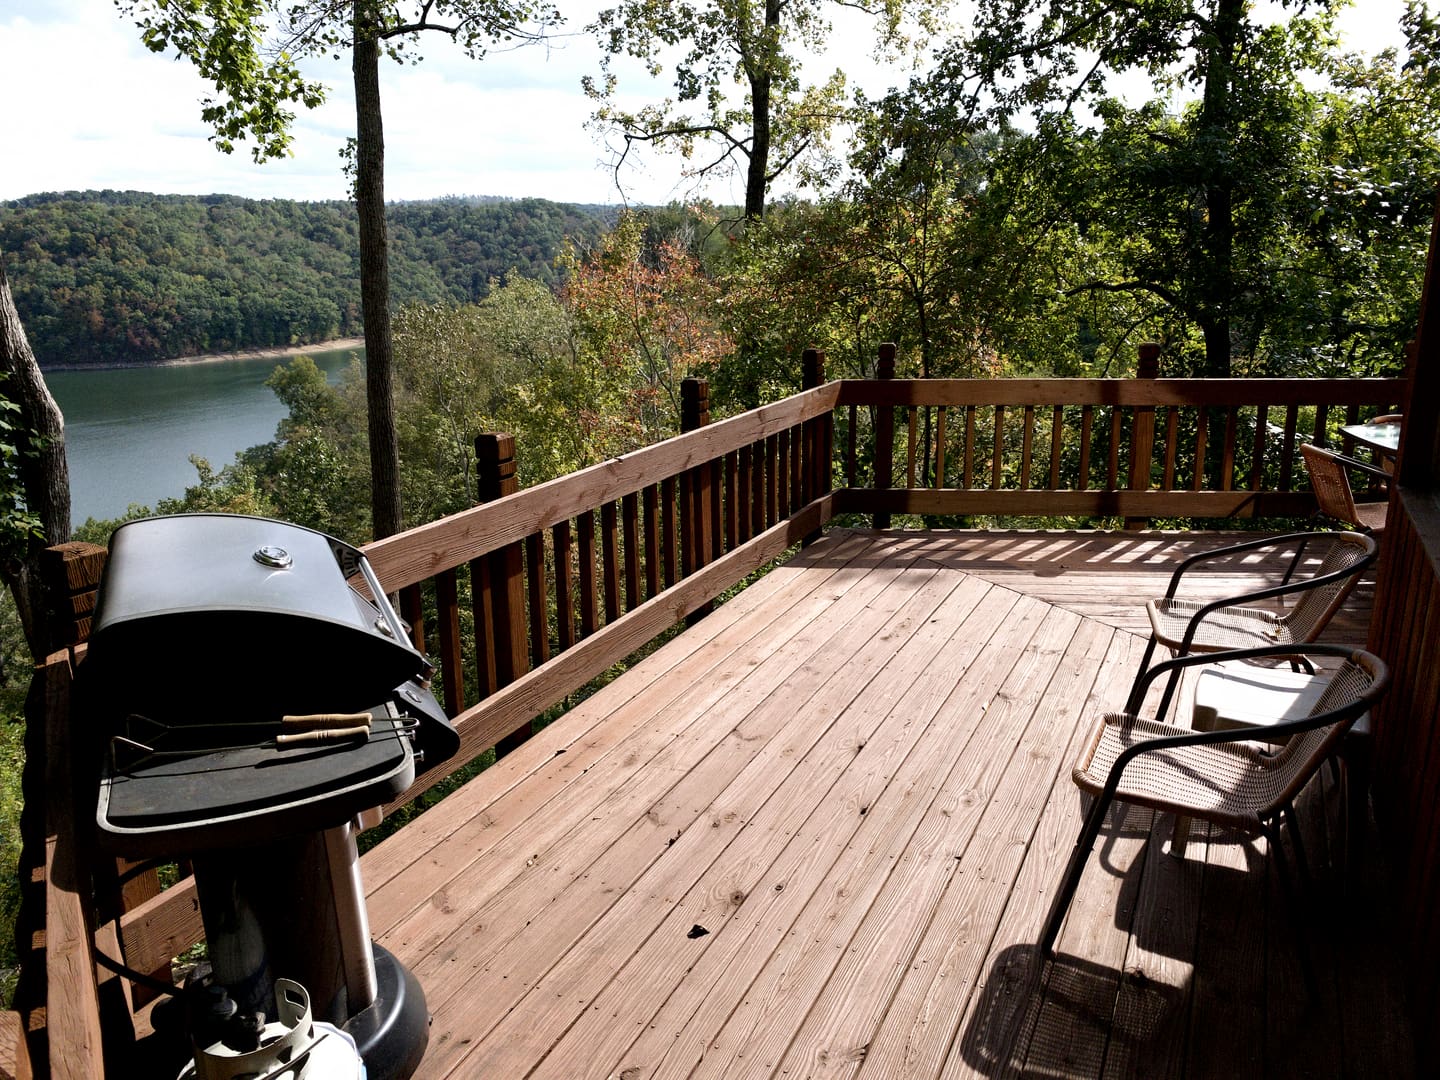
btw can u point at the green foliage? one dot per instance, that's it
(12, 766)
(1273, 221)
(18, 525)
(778, 123)
(128, 277)
(225, 41)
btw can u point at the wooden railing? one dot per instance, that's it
(1133, 448)
(569, 577)
(526, 598)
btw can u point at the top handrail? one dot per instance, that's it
(1139, 392)
(416, 554)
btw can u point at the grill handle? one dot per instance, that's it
(382, 602)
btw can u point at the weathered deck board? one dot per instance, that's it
(1101, 575)
(854, 778)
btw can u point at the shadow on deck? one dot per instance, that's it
(816, 835)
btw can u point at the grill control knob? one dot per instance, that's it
(272, 556)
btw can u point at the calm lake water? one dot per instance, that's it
(129, 433)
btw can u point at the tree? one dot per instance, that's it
(227, 41)
(780, 124)
(1192, 196)
(645, 320)
(34, 477)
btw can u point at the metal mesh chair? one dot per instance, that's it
(1196, 626)
(1330, 481)
(1217, 776)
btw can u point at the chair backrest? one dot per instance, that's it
(1358, 684)
(1348, 555)
(1330, 483)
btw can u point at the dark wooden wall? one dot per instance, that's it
(1405, 631)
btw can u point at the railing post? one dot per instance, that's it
(1142, 431)
(884, 434)
(817, 437)
(695, 485)
(504, 579)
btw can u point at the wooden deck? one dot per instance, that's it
(816, 835)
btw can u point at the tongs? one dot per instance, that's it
(313, 729)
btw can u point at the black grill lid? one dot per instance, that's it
(232, 613)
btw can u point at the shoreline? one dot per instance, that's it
(281, 352)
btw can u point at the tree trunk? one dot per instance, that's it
(1217, 126)
(43, 473)
(375, 275)
(761, 77)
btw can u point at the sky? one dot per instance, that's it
(88, 107)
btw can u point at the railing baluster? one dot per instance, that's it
(716, 512)
(782, 470)
(482, 614)
(669, 538)
(1112, 459)
(1026, 446)
(969, 446)
(539, 601)
(910, 448)
(732, 500)
(757, 488)
(744, 476)
(999, 449)
(447, 618)
(610, 559)
(1257, 451)
(1227, 457)
(884, 434)
(1087, 422)
(585, 549)
(774, 477)
(651, 500)
(564, 554)
(944, 411)
(1057, 444)
(630, 517)
(852, 463)
(1287, 447)
(1202, 420)
(1172, 426)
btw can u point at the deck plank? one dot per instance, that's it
(822, 784)
(854, 778)
(967, 861)
(621, 835)
(759, 1029)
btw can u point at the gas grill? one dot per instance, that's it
(255, 695)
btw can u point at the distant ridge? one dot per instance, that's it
(125, 277)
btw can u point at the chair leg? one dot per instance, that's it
(1074, 870)
(1297, 921)
(1294, 562)
(1140, 672)
(1170, 685)
(1302, 864)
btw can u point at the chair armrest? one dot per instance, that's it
(1285, 588)
(1364, 467)
(1289, 539)
(1166, 667)
(1283, 730)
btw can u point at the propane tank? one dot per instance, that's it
(293, 1047)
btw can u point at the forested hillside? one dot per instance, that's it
(130, 277)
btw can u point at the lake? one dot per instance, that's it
(129, 432)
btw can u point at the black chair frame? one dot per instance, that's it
(1095, 816)
(1285, 588)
